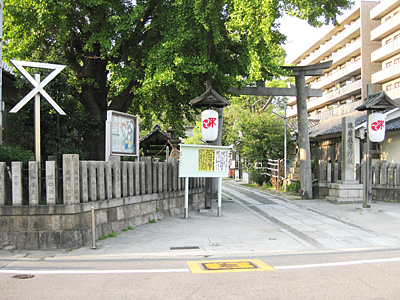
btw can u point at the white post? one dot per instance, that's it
(186, 198)
(219, 196)
(37, 122)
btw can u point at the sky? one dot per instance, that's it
(299, 35)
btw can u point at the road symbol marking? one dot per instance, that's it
(228, 266)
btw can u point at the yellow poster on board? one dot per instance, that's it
(206, 160)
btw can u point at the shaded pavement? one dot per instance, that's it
(253, 222)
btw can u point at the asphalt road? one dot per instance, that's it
(363, 275)
(262, 247)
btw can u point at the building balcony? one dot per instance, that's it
(386, 74)
(386, 51)
(385, 29)
(343, 55)
(336, 42)
(382, 9)
(394, 93)
(345, 73)
(344, 92)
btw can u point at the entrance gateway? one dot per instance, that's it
(301, 91)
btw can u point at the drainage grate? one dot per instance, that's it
(185, 248)
(23, 276)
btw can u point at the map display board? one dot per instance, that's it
(122, 136)
(204, 161)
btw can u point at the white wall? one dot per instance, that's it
(390, 147)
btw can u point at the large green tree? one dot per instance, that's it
(256, 132)
(150, 57)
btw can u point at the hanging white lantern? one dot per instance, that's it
(209, 125)
(376, 127)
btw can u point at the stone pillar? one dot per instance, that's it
(303, 137)
(124, 178)
(348, 155)
(116, 180)
(34, 184)
(347, 190)
(131, 181)
(142, 178)
(136, 171)
(16, 171)
(51, 183)
(83, 173)
(109, 183)
(155, 181)
(160, 177)
(71, 178)
(149, 175)
(92, 181)
(101, 186)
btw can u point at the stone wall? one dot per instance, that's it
(122, 194)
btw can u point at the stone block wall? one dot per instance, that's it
(122, 194)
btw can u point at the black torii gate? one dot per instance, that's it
(301, 91)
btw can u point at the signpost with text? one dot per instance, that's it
(203, 161)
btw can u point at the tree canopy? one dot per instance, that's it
(151, 57)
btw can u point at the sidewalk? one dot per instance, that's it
(252, 223)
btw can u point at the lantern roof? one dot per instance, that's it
(378, 101)
(210, 98)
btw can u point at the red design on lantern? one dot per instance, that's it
(210, 122)
(378, 125)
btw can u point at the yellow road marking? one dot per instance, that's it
(221, 266)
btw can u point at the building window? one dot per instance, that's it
(397, 60)
(397, 84)
(396, 36)
(388, 64)
(388, 41)
(388, 87)
(387, 19)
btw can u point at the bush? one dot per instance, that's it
(15, 153)
(257, 177)
(295, 186)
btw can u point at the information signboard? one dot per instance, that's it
(122, 134)
(204, 161)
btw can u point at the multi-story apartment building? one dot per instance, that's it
(349, 47)
(387, 34)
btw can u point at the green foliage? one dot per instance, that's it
(130, 228)
(15, 153)
(150, 57)
(196, 139)
(106, 236)
(152, 221)
(294, 186)
(257, 177)
(257, 133)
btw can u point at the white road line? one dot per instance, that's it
(44, 272)
(336, 264)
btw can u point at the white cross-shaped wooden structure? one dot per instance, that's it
(38, 89)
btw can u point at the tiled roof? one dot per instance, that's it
(334, 125)
(393, 125)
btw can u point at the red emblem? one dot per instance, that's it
(378, 125)
(210, 122)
